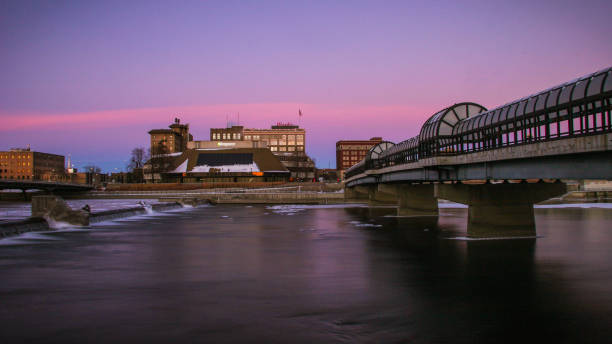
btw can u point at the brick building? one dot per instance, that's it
(24, 164)
(350, 152)
(173, 140)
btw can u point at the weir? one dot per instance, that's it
(56, 209)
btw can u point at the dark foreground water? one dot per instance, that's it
(316, 275)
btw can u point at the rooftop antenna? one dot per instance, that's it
(299, 117)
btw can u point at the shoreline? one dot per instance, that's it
(270, 196)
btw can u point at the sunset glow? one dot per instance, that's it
(90, 79)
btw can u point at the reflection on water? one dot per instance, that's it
(305, 274)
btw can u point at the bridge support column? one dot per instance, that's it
(500, 210)
(417, 199)
(356, 193)
(382, 194)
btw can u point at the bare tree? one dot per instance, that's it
(138, 159)
(159, 162)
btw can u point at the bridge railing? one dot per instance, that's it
(581, 117)
(581, 107)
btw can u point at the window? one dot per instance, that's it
(282, 149)
(291, 148)
(273, 149)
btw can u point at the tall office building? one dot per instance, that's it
(350, 152)
(24, 164)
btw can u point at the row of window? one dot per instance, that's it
(16, 171)
(18, 177)
(275, 136)
(291, 139)
(347, 153)
(19, 163)
(286, 148)
(352, 158)
(282, 142)
(354, 147)
(226, 136)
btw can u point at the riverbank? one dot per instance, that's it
(284, 195)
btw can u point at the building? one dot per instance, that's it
(285, 140)
(218, 164)
(225, 144)
(350, 152)
(173, 140)
(24, 164)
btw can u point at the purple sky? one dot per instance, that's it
(90, 78)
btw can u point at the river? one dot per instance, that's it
(309, 274)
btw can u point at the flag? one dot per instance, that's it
(300, 112)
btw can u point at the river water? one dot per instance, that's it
(309, 274)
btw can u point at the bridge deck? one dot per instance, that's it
(585, 157)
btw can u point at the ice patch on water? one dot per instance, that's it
(411, 215)
(285, 209)
(292, 209)
(490, 239)
(361, 224)
(451, 205)
(575, 205)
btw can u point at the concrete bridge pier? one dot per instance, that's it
(382, 194)
(500, 210)
(416, 200)
(356, 193)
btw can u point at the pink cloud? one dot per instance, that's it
(251, 115)
(86, 134)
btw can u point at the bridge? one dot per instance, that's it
(51, 187)
(499, 162)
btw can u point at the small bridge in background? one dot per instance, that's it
(499, 162)
(50, 187)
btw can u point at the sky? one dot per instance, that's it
(91, 78)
